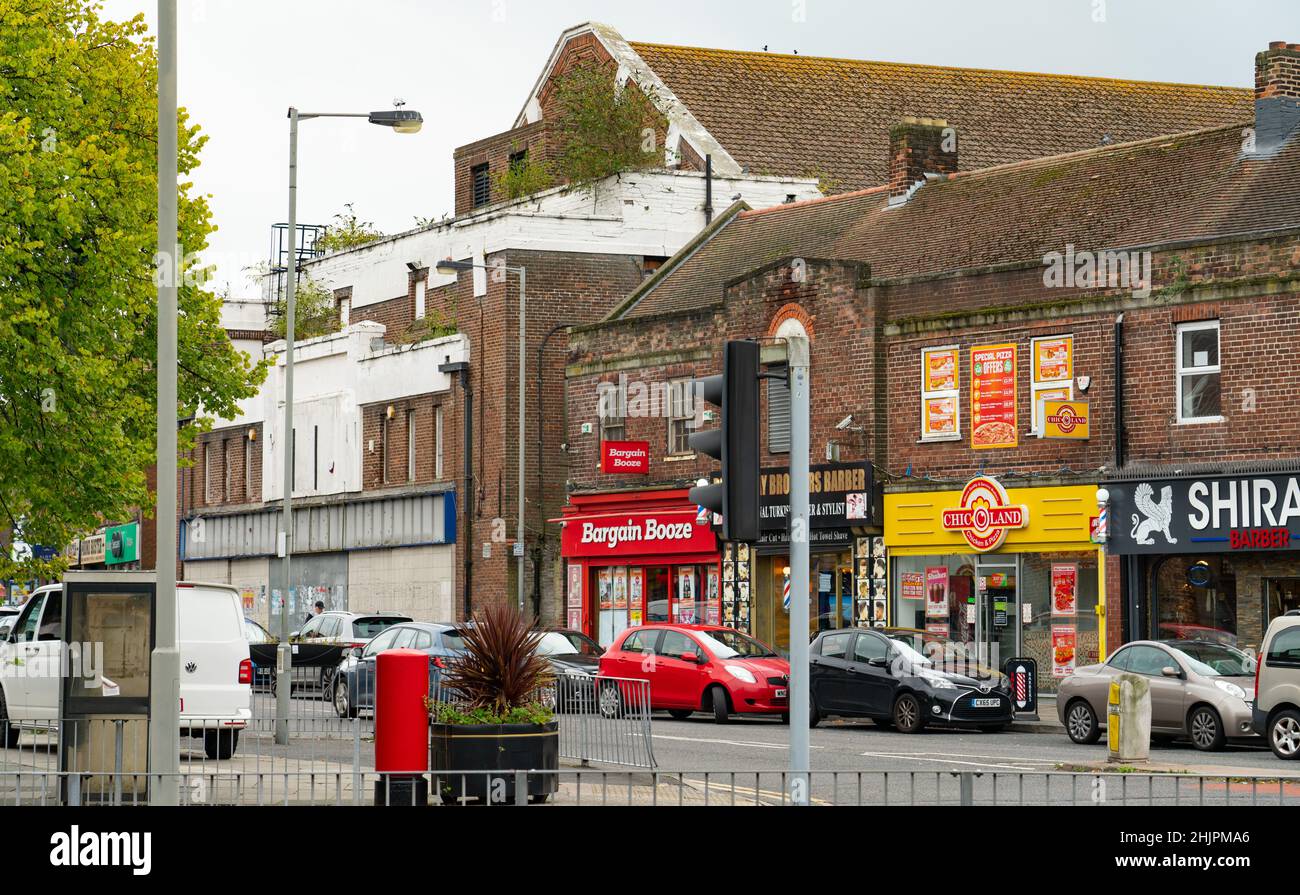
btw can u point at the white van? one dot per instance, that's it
(216, 670)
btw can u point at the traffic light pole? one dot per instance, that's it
(798, 358)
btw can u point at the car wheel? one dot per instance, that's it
(907, 714)
(1284, 735)
(720, 705)
(1081, 723)
(680, 714)
(326, 682)
(220, 744)
(8, 730)
(342, 701)
(610, 700)
(1206, 729)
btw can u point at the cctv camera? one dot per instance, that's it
(844, 423)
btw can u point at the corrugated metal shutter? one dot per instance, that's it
(778, 413)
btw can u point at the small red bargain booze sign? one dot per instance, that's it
(625, 457)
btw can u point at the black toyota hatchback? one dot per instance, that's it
(862, 673)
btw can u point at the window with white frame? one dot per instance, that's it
(940, 405)
(613, 410)
(1051, 375)
(1197, 361)
(681, 416)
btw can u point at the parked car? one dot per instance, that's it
(694, 668)
(325, 638)
(861, 673)
(353, 684)
(8, 615)
(1276, 713)
(214, 691)
(261, 649)
(1199, 688)
(575, 660)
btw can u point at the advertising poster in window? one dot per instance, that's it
(575, 586)
(993, 396)
(913, 585)
(936, 592)
(686, 596)
(635, 584)
(575, 619)
(940, 416)
(605, 589)
(1064, 642)
(620, 588)
(712, 598)
(1054, 359)
(1065, 589)
(941, 370)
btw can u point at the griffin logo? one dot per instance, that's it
(191, 667)
(1158, 515)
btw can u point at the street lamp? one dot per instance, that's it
(403, 121)
(448, 267)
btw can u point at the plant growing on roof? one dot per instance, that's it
(347, 232)
(315, 310)
(524, 176)
(500, 672)
(603, 129)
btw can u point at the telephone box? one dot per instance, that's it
(108, 640)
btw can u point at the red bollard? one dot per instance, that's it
(401, 727)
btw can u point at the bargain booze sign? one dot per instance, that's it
(985, 515)
(625, 457)
(628, 534)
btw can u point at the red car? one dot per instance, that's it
(697, 668)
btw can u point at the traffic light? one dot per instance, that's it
(734, 442)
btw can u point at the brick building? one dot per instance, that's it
(586, 249)
(954, 315)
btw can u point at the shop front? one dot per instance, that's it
(1209, 557)
(1001, 571)
(841, 522)
(638, 557)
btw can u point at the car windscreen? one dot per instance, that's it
(728, 644)
(1214, 660)
(907, 654)
(554, 643)
(370, 625)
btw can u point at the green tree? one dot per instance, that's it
(78, 218)
(315, 312)
(601, 129)
(347, 232)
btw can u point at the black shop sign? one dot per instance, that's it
(840, 495)
(1211, 514)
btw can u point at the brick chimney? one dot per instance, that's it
(917, 147)
(1277, 96)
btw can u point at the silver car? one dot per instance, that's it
(1199, 689)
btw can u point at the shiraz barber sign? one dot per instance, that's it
(1212, 514)
(625, 457)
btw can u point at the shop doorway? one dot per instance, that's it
(997, 609)
(1282, 596)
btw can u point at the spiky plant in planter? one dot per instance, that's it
(495, 721)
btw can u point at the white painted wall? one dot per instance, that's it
(419, 581)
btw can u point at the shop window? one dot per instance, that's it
(1052, 375)
(681, 416)
(1196, 599)
(1198, 372)
(1283, 595)
(940, 407)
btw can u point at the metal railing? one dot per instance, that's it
(587, 786)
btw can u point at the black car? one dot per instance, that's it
(574, 659)
(862, 673)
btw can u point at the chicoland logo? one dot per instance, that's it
(89, 849)
(1098, 270)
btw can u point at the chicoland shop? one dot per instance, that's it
(1209, 556)
(1012, 572)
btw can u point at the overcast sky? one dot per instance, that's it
(467, 65)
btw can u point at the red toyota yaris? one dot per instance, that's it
(696, 668)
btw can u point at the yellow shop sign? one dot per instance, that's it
(1049, 516)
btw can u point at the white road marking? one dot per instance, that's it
(663, 736)
(951, 761)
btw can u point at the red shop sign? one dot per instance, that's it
(625, 457)
(637, 534)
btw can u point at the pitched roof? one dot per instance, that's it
(765, 109)
(1185, 187)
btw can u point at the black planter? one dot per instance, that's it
(493, 747)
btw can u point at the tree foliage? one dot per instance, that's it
(78, 224)
(347, 232)
(602, 130)
(314, 311)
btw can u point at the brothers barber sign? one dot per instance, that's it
(1210, 514)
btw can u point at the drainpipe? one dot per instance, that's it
(708, 190)
(1119, 392)
(541, 464)
(467, 511)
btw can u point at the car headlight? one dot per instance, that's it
(938, 682)
(741, 672)
(1230, 688)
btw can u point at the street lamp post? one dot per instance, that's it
(403, 121)
(449, 266)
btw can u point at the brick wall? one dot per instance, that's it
(385, 441)
(222, 453)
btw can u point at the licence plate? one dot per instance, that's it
(780, 693)
(986, 703)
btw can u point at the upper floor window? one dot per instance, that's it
(1198, 372)
(612, 410)
(482, 184)
(778, 411)
(1052, 375)
(681, 415)
(940, 408)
